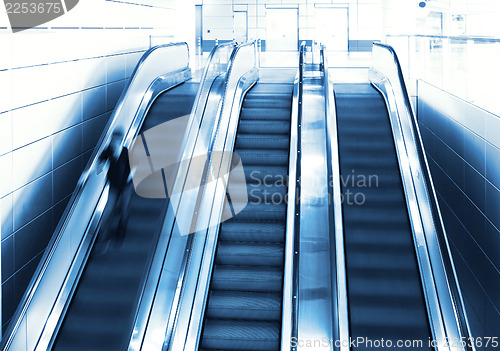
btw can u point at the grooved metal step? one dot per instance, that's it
(244, 305)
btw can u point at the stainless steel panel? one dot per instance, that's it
(314, 301)
(341, 321)
(315, 295)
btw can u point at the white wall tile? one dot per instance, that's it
(5, 132)
(116, 68)
(217, 10)
(6, 216)
(93, 102)
(93, 72)
(218, 22)
(5, 90)
(65, 78)
(31, 162)
(66, 112)
(31, 123)
(6, 174)
(113, 93)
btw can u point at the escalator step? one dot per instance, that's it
(372, 219)
(368, 147)
(256, 141)
(390, 314)
(392, 236)
(380, 261)
(383, 286)
(241, 335)
(276, 115)
(264, 174)
(359, 162)
(264, 127)
(251, 231)
(252, 279)
(263, 157)
(257, 193)
(351, 133)
(272, 89)
(264, 95)
(273, 210)
(243, 305)
(249, 254)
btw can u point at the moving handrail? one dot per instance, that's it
(171, 317)
(46, 299)
(341, 329)
(290, 288)
(446, 310)
(157, 294)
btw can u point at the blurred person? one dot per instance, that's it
(119, 179)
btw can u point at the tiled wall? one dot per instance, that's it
(365, 19)
(58, 86)
(463, 147)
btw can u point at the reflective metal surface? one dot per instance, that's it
(313, 276)
(446, 311)
(242, 74)
(182, 257)
(40, 310)
(161, 293)
(162, 290)
(341, 329)
(289, 306)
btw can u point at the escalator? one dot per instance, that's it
(101, 313)
(385, 295)
(243, 311)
